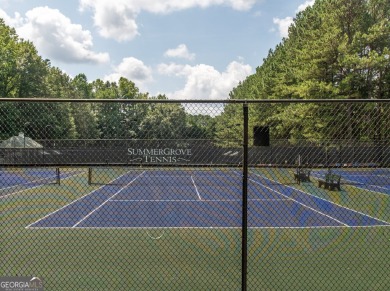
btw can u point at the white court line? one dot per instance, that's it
(289, 198)
(363, 175)
(194, 200)
(165, 176)
(196, 188)
(86, 228)
(22, 184)
(363, 184)
(20, 191)
(100, 206)
(321, 213)
(357, 186)
(341, 206)
(74, 201)
(113, 200)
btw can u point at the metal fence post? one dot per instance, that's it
(245, 200)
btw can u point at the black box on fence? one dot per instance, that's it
(261, 136)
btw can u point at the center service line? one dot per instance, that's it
(196, 188)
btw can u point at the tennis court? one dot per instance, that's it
(19, 179)
(375, 180)
(193, 198)
(203, 206)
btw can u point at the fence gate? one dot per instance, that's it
(195, 195)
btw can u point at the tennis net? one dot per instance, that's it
(19, 176)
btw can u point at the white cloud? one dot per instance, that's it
(284, 23)
(180, 52)
(173, 69)
(114, 19)
(117, 19)
(13, 22)
(132, 69)
(303, 6)
(56, 37)
(204, 81)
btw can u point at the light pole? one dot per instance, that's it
(24, 138)
(24, 133)
(46, 138)
(47, 131)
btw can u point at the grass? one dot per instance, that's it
(193, 259)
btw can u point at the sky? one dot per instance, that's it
(185, 49)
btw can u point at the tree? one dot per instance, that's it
(83, 114)
(31, 71)
(335, 49)
(200, 126)
(163, 121)
(8, 60)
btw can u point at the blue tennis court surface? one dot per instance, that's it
(200, 199)
(375, 180)
(9, 178)
(16, 181)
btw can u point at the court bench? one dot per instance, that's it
(331, 182)
(302, 175)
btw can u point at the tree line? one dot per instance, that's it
(24, 74)
(336, 49)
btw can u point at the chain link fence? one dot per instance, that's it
(196, 195)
